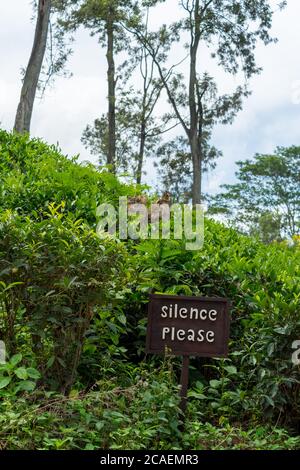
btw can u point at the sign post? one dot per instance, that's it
(187, 326)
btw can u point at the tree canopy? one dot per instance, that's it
(267, 194)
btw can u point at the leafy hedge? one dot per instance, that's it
(143, 415)
(55, 273)
(73, 316)
(34, 174)
(262, 282)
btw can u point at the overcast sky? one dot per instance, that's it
(271, 116)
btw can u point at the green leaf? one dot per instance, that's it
(269, 400)
(21, 373)
(50, 362)
(199, 396)
(16, 359)
(214, 383)
(281, 330)
(122, 318)
(89, 447)
(26, 386)
(231, 370)
(271, 348)
(100, 425)
(33, 373)
(4, 381)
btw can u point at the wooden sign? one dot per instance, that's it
(187, 326)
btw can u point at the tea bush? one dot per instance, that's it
(15, 379)
(143, 415)
(34, 175)
(55, 273)
(262, 282)
(73, 317)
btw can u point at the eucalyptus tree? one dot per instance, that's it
(137, 135)
(105, 18)
(47, 59)
(33, 70)
(149, 127)
(138, 132)
(176, 168)
(230, 31)
(139, 128)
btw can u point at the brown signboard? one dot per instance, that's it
(188, 326)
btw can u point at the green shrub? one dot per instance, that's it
(34, 175)
(54, 273)
(143, 415)
(15, 378)
(262, 282)
(71, 303)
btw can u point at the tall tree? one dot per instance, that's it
(230, 30)
(136, 135)
(138, 128)
(95, 137)
(33, 70)
(111, 80)
(48, 58)
(176, 168)
(104, 18)
(150, 127)
(266, 199)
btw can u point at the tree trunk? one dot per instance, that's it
(31, 79)
(197, 170)
(141, 152)
(111, 155)
(194, 138)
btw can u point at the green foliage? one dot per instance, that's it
(73, 317)
(262, 282)
(200, 436)
(140, 416)
(15, 378)
(265, 201)
(55, 273)
(58, 271)
(34, 175)
(143, 415)
(95, 14)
